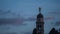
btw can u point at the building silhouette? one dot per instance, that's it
(39, 24)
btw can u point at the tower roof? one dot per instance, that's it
(39, 15)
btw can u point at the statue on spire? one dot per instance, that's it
(39, 10)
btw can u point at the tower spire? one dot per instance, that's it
(39, 10)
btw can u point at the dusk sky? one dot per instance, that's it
(29, 8)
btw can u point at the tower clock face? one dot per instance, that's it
(39, 27)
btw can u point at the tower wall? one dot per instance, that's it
(40, 23)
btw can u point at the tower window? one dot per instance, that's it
(39, 26)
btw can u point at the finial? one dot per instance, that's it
(39, 10)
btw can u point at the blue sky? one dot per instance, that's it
(29, 8)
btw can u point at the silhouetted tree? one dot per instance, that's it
(56, 32)
(59, 31)
(53, 31)
(34, 31)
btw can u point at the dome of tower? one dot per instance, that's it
(39, 15)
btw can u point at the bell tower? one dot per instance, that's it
(40, 23)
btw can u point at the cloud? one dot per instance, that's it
(11, 21)
(4, 12)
